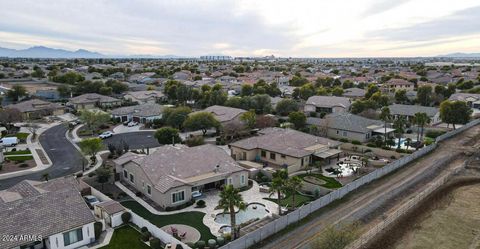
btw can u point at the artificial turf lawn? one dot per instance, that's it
(126, 237)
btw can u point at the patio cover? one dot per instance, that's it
(382, 130)
(327, 153)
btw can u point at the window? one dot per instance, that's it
(301, 162)
(132, 179)
(178, 197)
(264, 153)
(229, 180)
(73, 236)
(282, 155)
(149, 189)
(344, 133)
(125, 173)
(272, 156)
(338, 132)
(244, 154)
(242, 179)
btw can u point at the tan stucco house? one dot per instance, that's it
(170, 174)
(36, 108)
(285, 149)
(92, 100)
(327, 104)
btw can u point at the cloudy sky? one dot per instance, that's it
(300, 28)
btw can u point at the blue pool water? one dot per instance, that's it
(253, 211)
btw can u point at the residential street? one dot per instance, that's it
(367, 200)
(135, 140)
(65, 157)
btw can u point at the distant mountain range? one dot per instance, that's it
(461, 55)
(46, 52)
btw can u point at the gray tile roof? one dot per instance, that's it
(464, 96)
(111, 207)
(171, 166)
(35, 105)
(350, 122)
(284, 141)
(354, 92)
(146, 94)
(92, 98)
(42, 208)
(223, 113)
(144, 110)
(329, 101)
(410, 110)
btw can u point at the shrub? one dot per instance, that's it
(139, 194)
(91, 174)
(14, 149)
(400, 150)
(180, 246)
(367, 150)
(23, 165)
(343, 140)
(146, 236)
(313, 114)
(79, 175)
(434, 134)
(393, 157)
(356, 142)
(265, 178)
(220, 241)
(144, 229)
(212, 243)
(228, 237)
(155, 243)
(201, 203)
(194, 141)
(371, 145)
(316, 193)
(200, 244)
(97, 227)
(386, 148)
(126, 217)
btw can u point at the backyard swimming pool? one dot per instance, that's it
(253, 211)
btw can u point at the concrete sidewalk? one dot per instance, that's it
(36, 150)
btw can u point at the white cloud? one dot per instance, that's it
(249, 27)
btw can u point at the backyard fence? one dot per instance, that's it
(254, 237)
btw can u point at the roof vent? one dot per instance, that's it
(216, 168)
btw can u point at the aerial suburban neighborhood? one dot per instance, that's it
(234, 152)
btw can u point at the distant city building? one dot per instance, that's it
(216, 58)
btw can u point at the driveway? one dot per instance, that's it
(66, 159)
(135, 140)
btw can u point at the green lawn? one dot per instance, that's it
(20, 135)
(18, 152)
(20, 158)
(126, 237)
(287, 201)
(194, 219)
(330, 182)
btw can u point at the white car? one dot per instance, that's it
(131, 124)
(105, 135)
(91, 200)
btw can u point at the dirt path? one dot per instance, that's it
(366, 201)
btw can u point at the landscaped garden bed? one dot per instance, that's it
(126, 237)
(193, 219)
(321, 180)
(287, 201)
(13, 165)
(18, 152)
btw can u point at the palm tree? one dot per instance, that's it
(421, 119)
(278, 186)
(230, 198)
(293, 185)
(408, 141)
(385, 116)
(399, 125)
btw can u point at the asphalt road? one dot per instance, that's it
(135, 140)
(65, 157)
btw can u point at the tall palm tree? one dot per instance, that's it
(293, 185)
(421, 119)
(399, 126)
(278, 186)
(230, 198)
(385, 116)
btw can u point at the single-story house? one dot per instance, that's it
(144, 113)
(145, 97)
(36, 108)
(92, 100)
(352, 127)
(472, 99)
(354, 93)
(169, 175)
(224, 114)
(327, 104)
(49, 215)
(409, 111)
(285, 149)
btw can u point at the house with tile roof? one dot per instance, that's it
(169, 175)
(48, 214)
(93, 100)
(36, 108)
(144, 113)
(352, 127)
(289, 149)
(409, 111)
(145, 97)
(327, 104)
(224, 114)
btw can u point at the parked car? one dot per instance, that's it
(91, 200)
(105, 134)
(75, 122)
(126, 122)
(133, 123)
(196, 194)
(9, 141)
